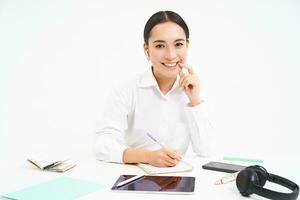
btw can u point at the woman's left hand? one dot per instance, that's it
(189, 82)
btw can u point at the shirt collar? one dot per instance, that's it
(148, 80)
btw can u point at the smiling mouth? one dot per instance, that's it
(170, 65)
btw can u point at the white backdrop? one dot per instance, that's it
(58, 59)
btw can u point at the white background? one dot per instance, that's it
(58, 60)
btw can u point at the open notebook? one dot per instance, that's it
(51, 162)
(182, 166)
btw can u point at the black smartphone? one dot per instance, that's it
(223, 167)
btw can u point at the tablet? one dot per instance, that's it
(157, 184)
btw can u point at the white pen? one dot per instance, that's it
(226, 179)
(160, 144)
(150, 136)
(134, 178)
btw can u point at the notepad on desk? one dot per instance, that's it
(182, 166)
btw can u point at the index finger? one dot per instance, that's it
(181, 65)
(173, 154)
(181, 74)
(190, 69)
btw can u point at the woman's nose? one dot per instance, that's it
(170, 54)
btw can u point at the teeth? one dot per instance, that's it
(170, 65)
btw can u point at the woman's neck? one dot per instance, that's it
(165, 84)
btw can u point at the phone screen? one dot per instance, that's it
(223, 167)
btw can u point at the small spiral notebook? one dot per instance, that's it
(182, 166)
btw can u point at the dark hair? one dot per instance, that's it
(161, 17)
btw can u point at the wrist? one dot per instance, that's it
(195, 102)
(145, 155)
(132, 155)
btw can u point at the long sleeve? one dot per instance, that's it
(110, 136)
(201, 130)
(138, 107)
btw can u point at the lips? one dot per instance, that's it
(170, 65)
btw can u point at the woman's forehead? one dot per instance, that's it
(167, 31)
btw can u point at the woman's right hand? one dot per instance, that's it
(164, 157)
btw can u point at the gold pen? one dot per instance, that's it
(226, 179)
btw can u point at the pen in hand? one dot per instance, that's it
(150, 136)
(160, 144)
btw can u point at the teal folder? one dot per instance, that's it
(62, 188)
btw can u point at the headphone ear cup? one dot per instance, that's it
(245, 181)
(262, 174)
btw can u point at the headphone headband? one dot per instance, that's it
(255, 184)
(278, 195)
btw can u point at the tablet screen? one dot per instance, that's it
(164, 184)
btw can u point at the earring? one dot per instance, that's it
(147, 55)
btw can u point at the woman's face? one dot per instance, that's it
(167, 46)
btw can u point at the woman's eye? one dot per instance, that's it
(179, 44)
(159, 46)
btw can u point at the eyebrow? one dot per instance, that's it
(162, 41)
(180, 40)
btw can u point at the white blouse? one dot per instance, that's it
(138, 108)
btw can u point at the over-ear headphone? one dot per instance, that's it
(252, 179)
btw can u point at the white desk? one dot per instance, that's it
(17, 173)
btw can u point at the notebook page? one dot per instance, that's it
(182, 166)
